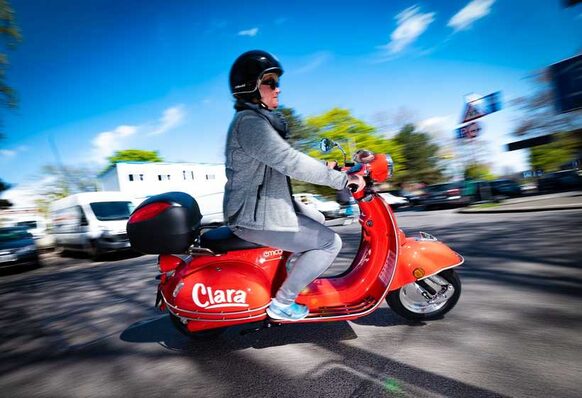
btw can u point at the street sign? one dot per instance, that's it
(471, 113)
(567, 81)
(482, 106)
(469, 131)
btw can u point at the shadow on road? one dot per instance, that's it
(358, 371)
(546, 256)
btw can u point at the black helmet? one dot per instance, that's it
(248, 69)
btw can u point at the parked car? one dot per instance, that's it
(210, 205)
(329, 208)
(563, 180)
(394, 201)
(504, 187)
(17, 247)
(457, 193)
(414, 198)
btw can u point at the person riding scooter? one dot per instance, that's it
(258, 203)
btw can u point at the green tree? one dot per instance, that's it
(478, 171)
(420, 156)
(350, 132)
(550, 157)
(133, 155)
(301, 136)
(63, 181)
(9, 36)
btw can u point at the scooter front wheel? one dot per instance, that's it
(438, 296)
(203, 335)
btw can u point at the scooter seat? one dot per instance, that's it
(222, 240)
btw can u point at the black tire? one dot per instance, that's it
(205, 335)
(395, 302)
(95, 252)
(61, 251)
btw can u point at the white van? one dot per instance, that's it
(93, 222)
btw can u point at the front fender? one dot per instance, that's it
(427, 256)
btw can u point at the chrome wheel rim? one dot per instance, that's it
(412, 298)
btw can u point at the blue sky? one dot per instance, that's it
(96, 76)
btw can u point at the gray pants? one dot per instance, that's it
(314, 245)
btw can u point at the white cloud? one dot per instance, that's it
(249, 32)
(107, 142)
(411, 24)
(473, 11)
(171, 118)
(8, 153)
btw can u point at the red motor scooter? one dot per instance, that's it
(226, 281)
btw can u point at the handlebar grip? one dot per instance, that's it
(353, 187)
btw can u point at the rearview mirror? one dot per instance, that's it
(326, 145)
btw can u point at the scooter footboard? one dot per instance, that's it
(423, 257)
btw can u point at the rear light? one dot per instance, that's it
(148, 212)
(454, 192)
(168, 262)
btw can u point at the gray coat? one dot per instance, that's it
(258, 160)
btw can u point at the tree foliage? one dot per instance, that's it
(478, 171)
(420, 160)
(60, 182)
(133, 155)
(550, 157)
(9, 37)
(352, 133)
(340, 126)
(300, 134)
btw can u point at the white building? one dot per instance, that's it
(204, 181)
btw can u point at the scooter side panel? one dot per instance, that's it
(217, 291)
(430, 256)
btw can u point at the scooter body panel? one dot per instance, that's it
(218, 291)
(420, 258)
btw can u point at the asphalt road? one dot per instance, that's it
(80, 328)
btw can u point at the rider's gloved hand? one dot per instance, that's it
(331, 164)
(357, 181)
(363, 156)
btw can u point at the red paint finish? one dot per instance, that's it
(212, 291)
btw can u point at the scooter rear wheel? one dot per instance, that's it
(410, 303)
(203, 335)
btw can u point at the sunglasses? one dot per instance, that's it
(271, 83)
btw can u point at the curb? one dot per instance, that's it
(521, 209)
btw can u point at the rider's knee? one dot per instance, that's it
(335, 244)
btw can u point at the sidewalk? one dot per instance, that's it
(557, 201)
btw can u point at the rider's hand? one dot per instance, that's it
(363, 156)
(331, 164)
(358, 180)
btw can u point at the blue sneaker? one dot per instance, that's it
(291, 312)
